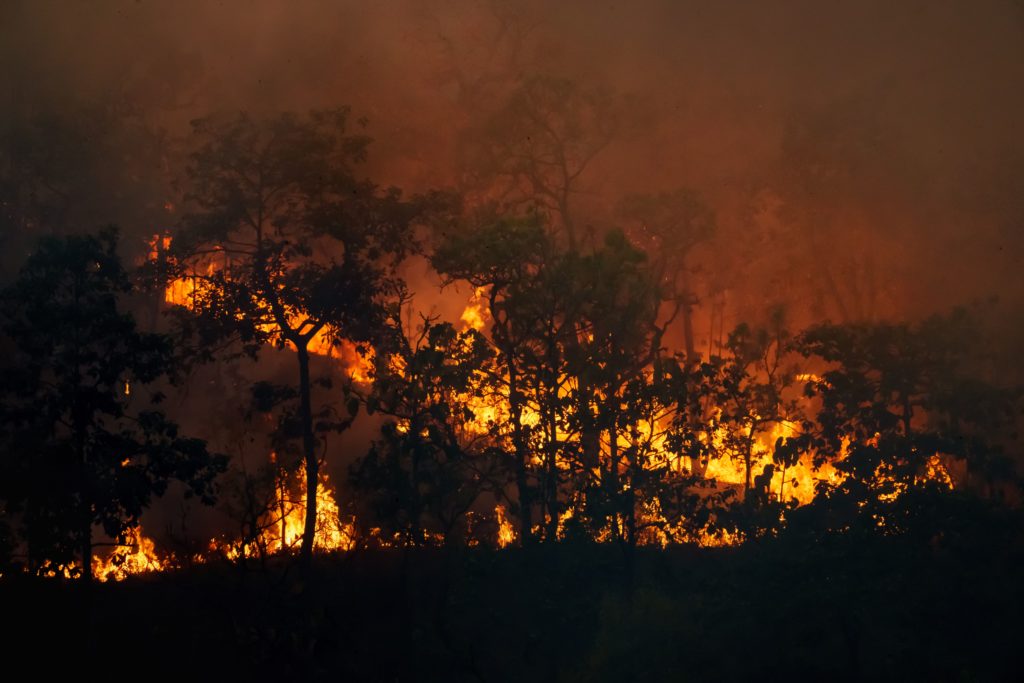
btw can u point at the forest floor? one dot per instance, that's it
(873, 610)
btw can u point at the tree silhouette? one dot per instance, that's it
(899, 407)
(304, 248)
(506, 258)
(532, 152)
(84, 445)
(572, 331)
(619, 336)
(430, 464)
(669, 226)
(751, 389)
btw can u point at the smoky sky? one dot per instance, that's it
(862, 159)
(883, 139)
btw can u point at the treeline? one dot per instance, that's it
(559, 402)
(567, 407)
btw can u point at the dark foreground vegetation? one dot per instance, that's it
(797, 609)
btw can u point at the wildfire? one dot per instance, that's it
(796, 482)
(506, 532)
(280, 527)
(183, 292)
(282, 524)
(290, 515)
(475, 315)
(137, 556)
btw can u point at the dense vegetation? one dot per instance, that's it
(559, 485)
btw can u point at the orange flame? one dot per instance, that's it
(283, 524)
(183, 290)
(506, 532)
(138, 556)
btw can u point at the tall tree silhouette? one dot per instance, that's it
(618, 339)
(505, 257)
(533, 151)
(84, 444)
(669, 226)
(304, 248)
(430, 463)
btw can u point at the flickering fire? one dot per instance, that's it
(798, 482)
(282, 528)
(137, 556)
(475, 314)
(282, 525)
(290, 514)
(506, 532)
(183, 291)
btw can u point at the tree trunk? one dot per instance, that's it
(87, 575)
(551, 483)
(782, 484)
(309, 454)
(747, 464)
(613, 484)
(519, 443)
(688, 341)
(686, 313)
(86, 502)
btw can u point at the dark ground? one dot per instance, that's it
(843, 610)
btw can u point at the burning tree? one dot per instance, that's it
(573, 333)
(900, 407)
(619, 336)
(509, 260)
(284, 244)
(83, 445)
(430, 465)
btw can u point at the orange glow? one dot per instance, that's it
(282, 525)
(506, 532)
(475, 314)
(183, 291)
(137, 556)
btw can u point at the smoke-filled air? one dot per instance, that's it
(505, 340)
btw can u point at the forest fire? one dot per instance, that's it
(280, 531)
(280, 527)
(486, 340)
(183, 291)
(136, 556)
(796, 482)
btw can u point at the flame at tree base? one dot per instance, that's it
(283, 523)
(138, 556)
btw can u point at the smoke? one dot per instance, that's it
(864, 160)
(913, 108)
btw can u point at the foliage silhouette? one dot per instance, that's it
(285, 244)
(83, 443)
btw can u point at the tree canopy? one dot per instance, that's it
(85, 444)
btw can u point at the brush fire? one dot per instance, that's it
(487, 340)
(788, 483)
